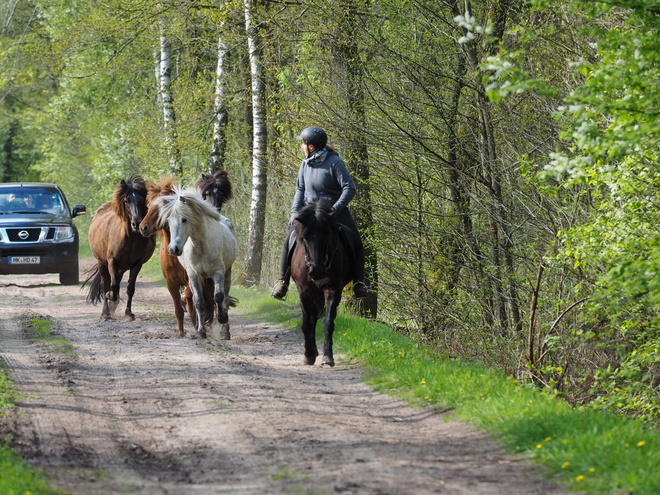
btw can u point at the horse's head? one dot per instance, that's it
(149, 224)
(130, 201)
(215, 188)
(180, 227)
(184, 212)
(315, 229)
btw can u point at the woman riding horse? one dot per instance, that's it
(323, 176)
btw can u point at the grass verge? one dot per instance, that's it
(587, 451)
(16, 477)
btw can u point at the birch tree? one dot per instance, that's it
(219, 145)
(254, 248)
(169, 117)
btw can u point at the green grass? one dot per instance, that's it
(42, 329)
(588, 451)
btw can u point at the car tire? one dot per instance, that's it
(70, 277)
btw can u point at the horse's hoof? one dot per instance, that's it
(327, 360)
(106, 318)
(181, 334)
(130, 317)
(309, 360)
(201, 334)
(224, 332)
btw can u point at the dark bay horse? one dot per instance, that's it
(215, 188)
(176, 278)
(320, 268)
(118, 246)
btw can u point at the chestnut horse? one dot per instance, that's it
(176, 278)
(205, 245)
(118, 245)
(320, 267)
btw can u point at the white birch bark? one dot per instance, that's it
(169, 119)
(219, 145)
(255, 244)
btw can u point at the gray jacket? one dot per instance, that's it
(325, 177)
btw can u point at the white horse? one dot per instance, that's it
(206, 246)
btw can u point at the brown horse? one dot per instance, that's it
(215, 188)
(320, 267)
(175, 275)
(118, 245)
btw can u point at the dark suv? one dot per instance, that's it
(37, 234)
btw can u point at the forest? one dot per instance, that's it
(505, 154)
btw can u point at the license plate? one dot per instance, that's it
(24, 260)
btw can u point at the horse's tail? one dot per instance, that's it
(95, 290)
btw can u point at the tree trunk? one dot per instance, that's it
(169, 117)
(254, 248)
(357, 154)
(219, 146)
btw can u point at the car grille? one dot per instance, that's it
(31, 234)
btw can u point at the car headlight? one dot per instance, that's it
(63, 233)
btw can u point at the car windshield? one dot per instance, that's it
(31, 200)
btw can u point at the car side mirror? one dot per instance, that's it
(78, 210)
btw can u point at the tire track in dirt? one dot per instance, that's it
(137, 410)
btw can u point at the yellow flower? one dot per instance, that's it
(426, 397)
(592, 470)
(539, 446)
(641, 444)
(579, 478)
(423, 382)
(547, 439)
(565, 465)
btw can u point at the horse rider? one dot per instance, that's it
(323, 175)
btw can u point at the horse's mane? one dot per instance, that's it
(162, 188)
(188, 203)
(314, 217)
(132, 184)
(219, 179)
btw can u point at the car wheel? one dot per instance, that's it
(70, 277)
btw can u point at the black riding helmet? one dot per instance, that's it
(315, 136)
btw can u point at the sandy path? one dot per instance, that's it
(133, 409)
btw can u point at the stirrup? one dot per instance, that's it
(360, 290)
(280, 289)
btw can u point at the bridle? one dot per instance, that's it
(327, 262)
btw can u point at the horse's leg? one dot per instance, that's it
(105, 287)
(224, 327)
(112, 294)
(329, 326)
(175, 294)
(309, 318)
(130, 290)
(219, 296)
(196, 283)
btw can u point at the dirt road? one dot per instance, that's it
(133, 409)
